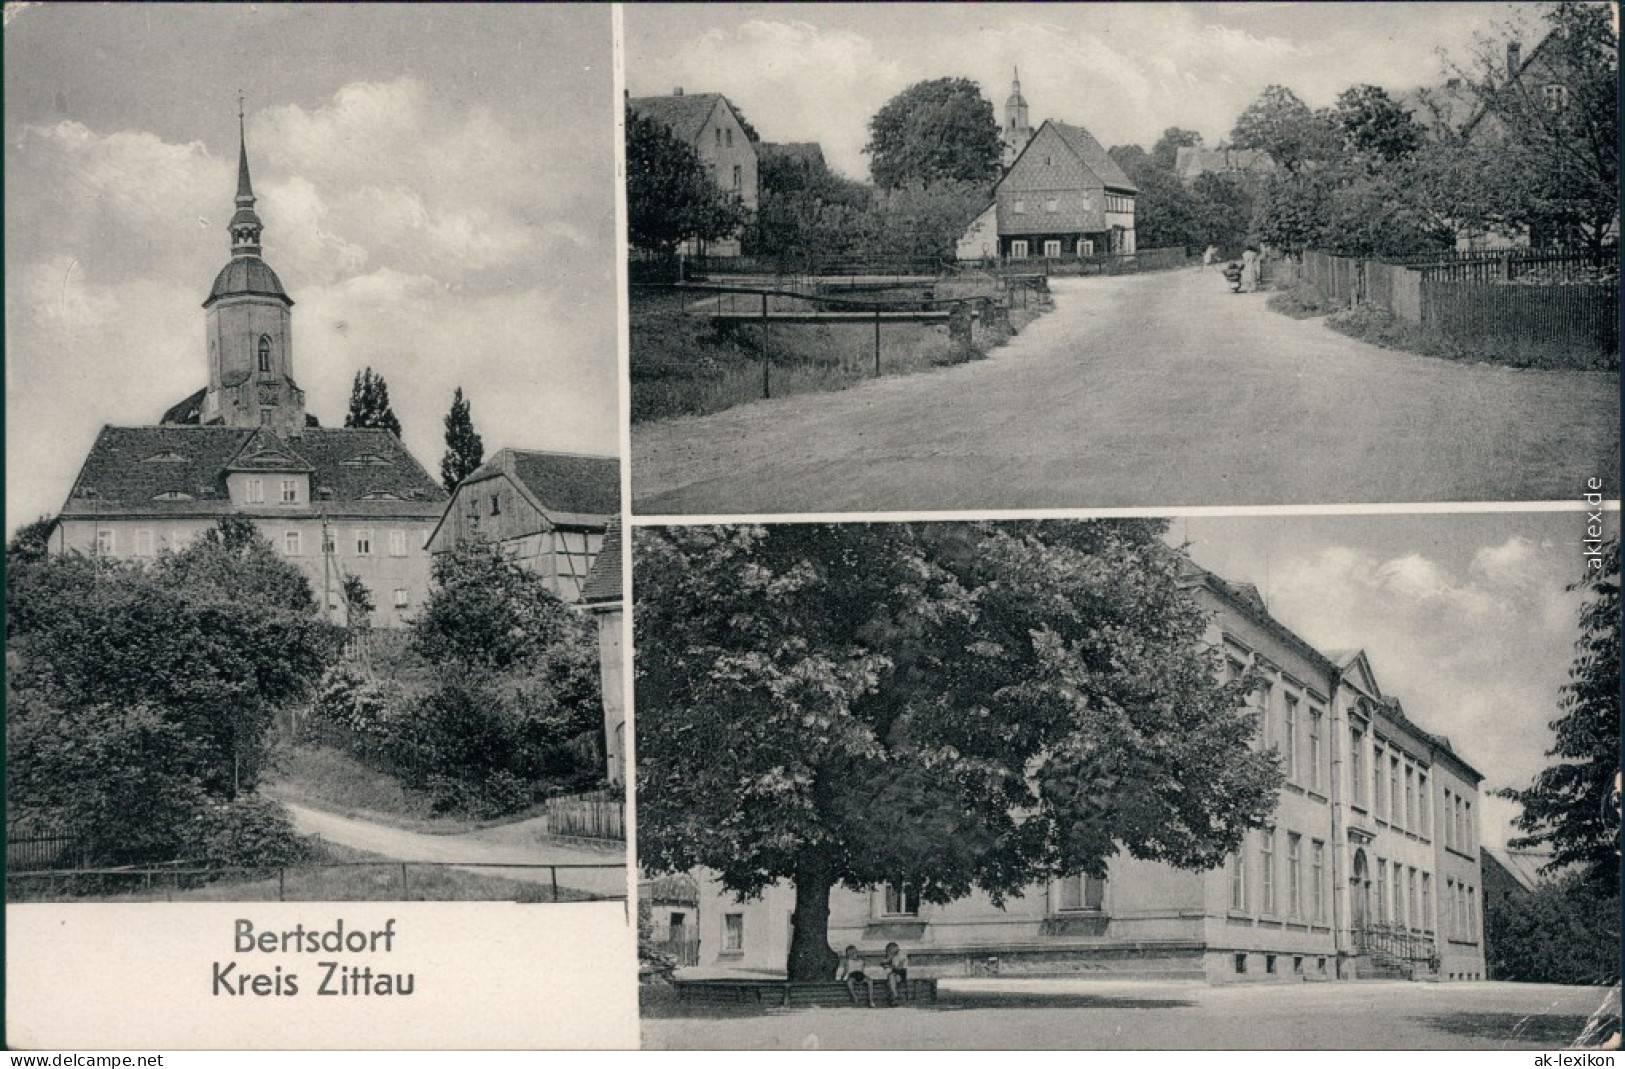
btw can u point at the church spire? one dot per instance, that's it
(1017, 131)
(245, 224)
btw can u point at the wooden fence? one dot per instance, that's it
(598, 815)
(1457, 304)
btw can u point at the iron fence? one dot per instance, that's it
(40, 852)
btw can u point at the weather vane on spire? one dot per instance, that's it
(239, 105)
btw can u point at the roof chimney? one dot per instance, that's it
(1514, 57)
(677, 92)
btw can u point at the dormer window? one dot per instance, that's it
(265, 353)
(1556, 96)
(172, 495)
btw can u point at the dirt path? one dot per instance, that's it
(510, 844)
(1151, 390)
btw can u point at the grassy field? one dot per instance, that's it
(682, 364)
(336, 874)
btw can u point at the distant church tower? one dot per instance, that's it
(250, 329)
(1017, 130)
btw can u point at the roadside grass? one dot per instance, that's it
(1302, 302)
(683, 365)
(331, 780)
(1380, 327)
(357, 876)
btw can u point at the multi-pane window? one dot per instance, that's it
(1082, 892)
(1556, 97)
(256, 491)
(1396, 872)
(291, 543)
(290, 492)
(1294, 874)
(1051, 205)
(1410, 798)
(1265, 695)
(902, 900)
(1290, 731)
(397, 543)
(1317, 879)
(363, 543)
(1019, 207)
(143, 542)
(1357, 764)
(265, 352)
(106, 542)
(1423, 810)
(1410, 898)
(1396, 800)
(1315, 718)
(1238, 881)
(400, 597)
(1469, 842)
(733, 931)
(1427, 901)
(1472, 914)
(1379, 797)
(1449, 819)
(1266, 851)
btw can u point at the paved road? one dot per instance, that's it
(1150, 390)
(1106, 1015)
(512, 844)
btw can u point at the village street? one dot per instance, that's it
(1147, 390)
(509, 844)
(1153, 1015)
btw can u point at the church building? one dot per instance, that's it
(336, 502)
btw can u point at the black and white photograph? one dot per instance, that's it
(312, 477)
(947, 258)
(1307, 782)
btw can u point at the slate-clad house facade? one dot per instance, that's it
(1368, 866)
(335, 502)
(708, 123)
(548, 511)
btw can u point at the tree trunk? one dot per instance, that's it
(811, 958)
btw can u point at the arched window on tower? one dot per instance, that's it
(265, 352)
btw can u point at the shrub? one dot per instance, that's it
(251, 833)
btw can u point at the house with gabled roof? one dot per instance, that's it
(708, 124)
(337, 503)
(548, 511)
(1062, 198)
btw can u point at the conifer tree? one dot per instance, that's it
(464, 449)
(369, 404)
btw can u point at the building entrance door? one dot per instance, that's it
(1360, 891)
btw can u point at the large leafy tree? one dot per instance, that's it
(946, 706)
(1373, 127)
(1281, 124)
(1572, 807)
(669, 197)
(941, 130)
(146, 692)
(805, 211)
(1562, 932)
(465, 450)
(369, 403)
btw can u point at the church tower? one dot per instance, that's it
(250, 335)
(1017, 130)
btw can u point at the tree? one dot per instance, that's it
(1572, 805)
(669, 197)
(804, 210)
(1165, 152)
(937, 131)
(1375, 129)
(465, 451)
(1281, 125)
(942, 706)
(32, 540)
(1562, 932)
(369, 404)
(358, 605)
(1552, 126)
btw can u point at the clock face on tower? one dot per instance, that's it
(268, 395)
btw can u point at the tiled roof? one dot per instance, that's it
(685, 114)
(1094, 157)
(179, 468)
(603, 583)
(188, 411)
(246, 275)
(1076, 212)
(566, 482)
(1191, 162)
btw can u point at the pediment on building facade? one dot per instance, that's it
(1357, 672)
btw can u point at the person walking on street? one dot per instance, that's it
(1251, 276)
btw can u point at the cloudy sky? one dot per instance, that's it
(1125, 71)
(1464, 616)
(437, 190)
